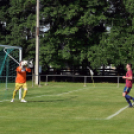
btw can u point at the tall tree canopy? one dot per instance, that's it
(78, 32)
(75, 32)
(118, 44)
(18, 24)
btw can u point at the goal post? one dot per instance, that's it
(10, 56)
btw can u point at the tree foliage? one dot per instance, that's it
(18, 16)
(75, 31)
(118, 44)
(78, 34)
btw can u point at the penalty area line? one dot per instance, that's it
(60, 94)
(4, 100)
(117, 113)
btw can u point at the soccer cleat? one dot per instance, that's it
(22, 100)
(12, 100)
(130, 106)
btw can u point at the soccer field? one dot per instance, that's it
(67, 108)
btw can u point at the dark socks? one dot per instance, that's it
(128, 98)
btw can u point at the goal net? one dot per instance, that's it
(9, 60)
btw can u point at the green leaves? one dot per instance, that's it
(20, 24)
(77, 34)
(72, 31)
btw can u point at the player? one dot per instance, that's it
(128, 86)
(20, 81)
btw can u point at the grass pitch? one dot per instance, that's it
(66, 108)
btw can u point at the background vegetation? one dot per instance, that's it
(82, 32)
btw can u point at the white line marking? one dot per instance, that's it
(118, 112)
(54, 94)
(62, 93)
(86, 118)
(108, 118)
(4, 100)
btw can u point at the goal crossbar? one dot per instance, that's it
(7, 46)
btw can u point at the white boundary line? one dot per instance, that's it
(86, 118)
(108, 118)
(118, 112)
(54, 94)
(62, 93)
(4, 100)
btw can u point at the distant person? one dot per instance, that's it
(20, 81)
(128, 86)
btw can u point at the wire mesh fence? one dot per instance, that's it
(63, 78)
(84, 79)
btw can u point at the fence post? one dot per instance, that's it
(85, 81)
(118, 81)
(32, 77)
(6, 81)
(46, 80)
(39, 80)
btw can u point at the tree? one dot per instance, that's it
(75, 32)
(78, 32)
(19, 17)
(117, 46)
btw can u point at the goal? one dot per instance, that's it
(10, 56)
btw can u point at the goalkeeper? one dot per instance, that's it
(20, 81)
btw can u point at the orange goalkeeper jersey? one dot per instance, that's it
(21, 74)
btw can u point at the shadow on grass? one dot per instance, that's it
(59, 100)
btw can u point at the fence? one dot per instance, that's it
(84, 78)
(69, 78)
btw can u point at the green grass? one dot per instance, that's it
(66, 108)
